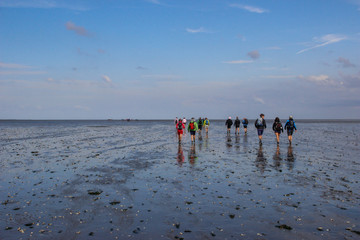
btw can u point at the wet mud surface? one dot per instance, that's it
(132, 180)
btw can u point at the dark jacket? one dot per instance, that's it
(276, 129)
(237, 123)
(229, 123)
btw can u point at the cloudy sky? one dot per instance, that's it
(158, 59)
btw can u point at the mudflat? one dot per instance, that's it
(132, 180)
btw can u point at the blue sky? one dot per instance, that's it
(158, 59)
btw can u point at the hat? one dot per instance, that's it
(290, 117)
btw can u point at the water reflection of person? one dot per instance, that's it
(277, 158)
(290, 158)
(237, 142)
(180, 155)
(260, 162)
(192, 154)
(228, 141)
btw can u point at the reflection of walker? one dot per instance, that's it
(180, 155)
(192, 154)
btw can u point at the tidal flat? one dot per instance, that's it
(132, 180)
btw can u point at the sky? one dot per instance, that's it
(161, 59)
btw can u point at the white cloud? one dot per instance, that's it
(13, 65)
(161, 77)
(279, 76)
(2, 73)
(239, 61)
(249, 8)
(199, 30)
(322, 79)
(259, 100)
(40, 4)
(106, 79)
(323, 41)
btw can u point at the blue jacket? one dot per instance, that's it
(288, 126)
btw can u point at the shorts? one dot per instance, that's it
(192, 133)
(200, 127)
(245, 126)
(276, 131)
(290, 132)
(180, 131)
(206, 126)
(260, 132)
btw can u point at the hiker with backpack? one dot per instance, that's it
(229, 123)
(260, 125)
(290, 127)
(245, 123)
(200, 124)
(180, 126)
(237, 125)
(192, 128)
(277, 128)
(206, 124)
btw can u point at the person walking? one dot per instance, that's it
(200, 123)
(229, 123)
(237, 125)
(176, 121)
(290, 126)
(192, 128)
(206, 124)
(180, 126)
(260, 125)
(245, 123)
(277, 128)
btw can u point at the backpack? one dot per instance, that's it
(180, 127)
(278, 126)
(291, 124)
(259, 122)
(192, 126)
(207, 122)
(200, 122)
(245, 121)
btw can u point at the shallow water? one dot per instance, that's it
(132, 180)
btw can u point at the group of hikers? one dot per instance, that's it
(193, 127)
(260, 125)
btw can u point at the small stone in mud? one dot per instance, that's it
(114, 202)
(94, 192)
(232, 216)
(91, 234)
(29, 224)
(137, 230)
(188, 203)
(320, 229)
(8, 228)
(213, 234)
(284, 226)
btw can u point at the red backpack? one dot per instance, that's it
(192, 126)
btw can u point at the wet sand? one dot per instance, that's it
(132, 180)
